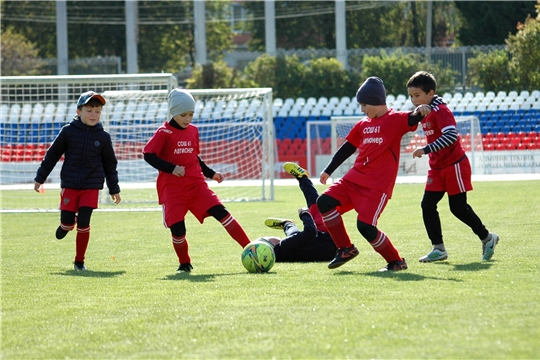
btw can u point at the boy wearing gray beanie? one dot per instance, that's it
(368, 185)
(180, 102)
(181, 186)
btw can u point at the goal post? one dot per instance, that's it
(235, 126)
(337, 128)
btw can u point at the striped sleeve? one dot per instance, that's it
(448, 137)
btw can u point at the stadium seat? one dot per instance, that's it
(300, 101)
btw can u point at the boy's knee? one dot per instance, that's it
(218, 212)
(369, 232)
(178, 229)
(326, 203)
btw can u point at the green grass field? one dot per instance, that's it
(132, 304)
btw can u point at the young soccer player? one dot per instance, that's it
(314, 242)
(89, 158)
(450, 170)
(367, 186)
(181, 184)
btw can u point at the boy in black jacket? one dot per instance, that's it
(89, 158)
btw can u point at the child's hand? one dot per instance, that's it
(422, 109)
(179, 171)
(116, 198)
(324, 176)
(37, 186)
(219, 177)
(418, 153)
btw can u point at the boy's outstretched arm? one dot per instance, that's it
(343, 153)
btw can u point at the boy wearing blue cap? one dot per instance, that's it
(89, 159)
(368, 185)
(181, 186)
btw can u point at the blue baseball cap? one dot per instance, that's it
(85, 98)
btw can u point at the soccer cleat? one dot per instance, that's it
(61, 233)
(395, 266)
(184, 268)
(488, 248)
(342, 256)
(434, 255)
(79, 266)
(295, 170)
(276, 223)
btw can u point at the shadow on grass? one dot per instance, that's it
(475, 266)
(398, 275)
(208, 277)
(90, 273)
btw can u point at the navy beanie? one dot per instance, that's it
(371, 92)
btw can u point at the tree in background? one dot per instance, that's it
(176, 41)
(491, 71)
(397, 68)
(490, 22)
(525, 49)
(284, 74)
(516, 67)
(165, 37)
(19, 56)
(217, 75)
(327, 77)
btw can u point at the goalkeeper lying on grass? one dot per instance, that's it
(313, 243)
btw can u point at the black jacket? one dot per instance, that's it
(88, 158)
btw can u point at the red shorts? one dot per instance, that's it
(197, 201)
(368, 203)
(454, 179)
(73, 200)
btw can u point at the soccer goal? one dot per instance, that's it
(235, 126)
(325, 137)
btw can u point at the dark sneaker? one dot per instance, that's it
(276, 223)
(184, 268)
(79, 266)
(295, 170)
(342, 256)
(488, 247)
(61, 233)
(395, 266)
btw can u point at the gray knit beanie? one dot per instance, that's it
(180, 102)
(371, 92)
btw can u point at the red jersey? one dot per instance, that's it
(433, 125)
(180, 147)
(378, 141)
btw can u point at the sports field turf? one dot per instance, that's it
(132, 304)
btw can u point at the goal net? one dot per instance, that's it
(325, 137)
(235, 126)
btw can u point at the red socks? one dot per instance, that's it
(334, 223)
(235, 230)
(384, 246)
(180, 245)
(81, 243)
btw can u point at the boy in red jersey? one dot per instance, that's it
(88, 159)
(181, 184)
(367, 186)
(450, 170)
